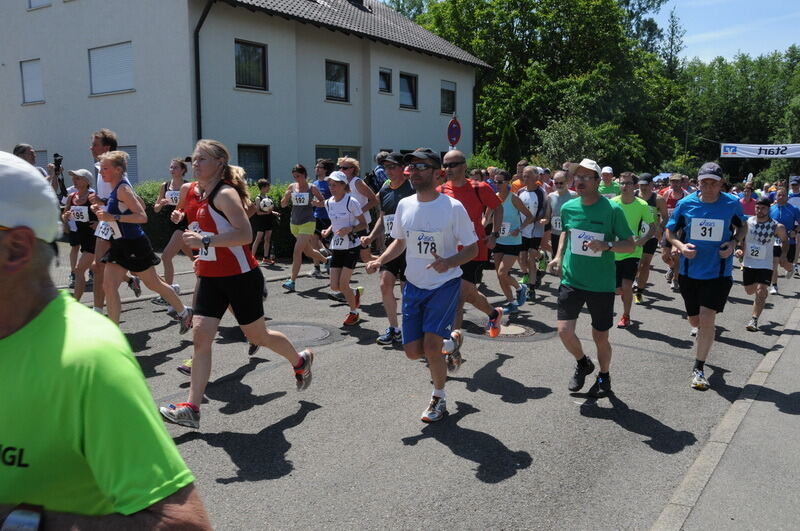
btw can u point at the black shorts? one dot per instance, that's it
(321, 225)
(752, 276)
(345, 257)
(134, 255)
(74, 238)
(711, 293)
(599, 303)
(554, 240)
(531, 243)
(650, 246)
(627, 269)
(261, 223)
(86, 239)
(776, 251)
(397, 267)
(512, 250)
(244, 293)
(472, 271)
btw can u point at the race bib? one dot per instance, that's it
(341, 243)
(172, 197)
(423, 244)
(73, 227)
(644, 228)
(80, 213)
(707, 230)
(194, 226)
(207, 255)
(580, 242)
(388, 223)
(300, 199)
(505, 229)
(758, 251)
(108, 230)
(556, 223)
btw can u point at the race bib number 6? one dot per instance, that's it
(424, 244)
(580, 242)
(707, 230)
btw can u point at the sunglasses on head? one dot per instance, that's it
(453, 164)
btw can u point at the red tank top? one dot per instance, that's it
(219, 261)
(192, 203)
(672, 200)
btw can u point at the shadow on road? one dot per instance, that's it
(489, 380)
(495, 461)
(652, 335)
(237, 395)
(258, 456)
(661, 437)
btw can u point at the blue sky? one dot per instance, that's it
(726, 27)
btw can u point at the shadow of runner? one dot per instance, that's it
(496, 462)
(489, 380)
(661, 437)
(237, 395)
(258, 456)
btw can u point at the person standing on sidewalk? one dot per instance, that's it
(593, 229)
(712, 225)
(429, 226)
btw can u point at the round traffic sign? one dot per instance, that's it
(454, 131)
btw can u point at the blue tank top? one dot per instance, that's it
(511, 222)
(130, 231)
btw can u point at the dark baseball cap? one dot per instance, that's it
(794, 179)
(424, 154)
(765, 201)
(710, 170)
(395, 158)
(645, 178)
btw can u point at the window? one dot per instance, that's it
(251, 65)
(385, 80)
(334, 152)
(133, 163)
(33, 4)
(255, 161)
(336, 81)
(31, 81)
(41, 158)
(408, 91)
(448, 97)
(111, 68)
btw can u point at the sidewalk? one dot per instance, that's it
(746, 477)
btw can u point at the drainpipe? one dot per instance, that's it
(197, 94)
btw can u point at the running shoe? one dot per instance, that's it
(351, 319)
(522, 294)
(579, 378)
(511, 308)
(387, 338)
(303, 374)
(454, 359)
(525, 279)
(185, 367)
(637, 296)
(699, 380)
(789, 273)
(357, 292)
(267, 261)
(398, 337)
(182, 414)
(71, 280)
(337, 296)
(542, 266)
(752, 324)
(600, 387)
(289, 285)
(160, 301)
(186, 321)
(252, 348)
(693, 332)
(437, 410)
(538, 283)
(136, 286)
(531, 293)
(669, 275)
(796, 271)
(325, 252)
(172, 314)
(675, 286)
(493, 326)
(773, 290)
(317, 273)
(624, 321)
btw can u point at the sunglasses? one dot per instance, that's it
(558, 183)
(447, 165)
(419, 166)
(346, 167)
(500, 181)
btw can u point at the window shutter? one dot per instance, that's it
(111, 68)
(133, 163)
(32, 81)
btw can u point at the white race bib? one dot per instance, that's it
(80, 213)
(757, 251)
(340, 242)
(194, 226)
(707, 230)
(556, 223)
(505, 229)
(580, 242)
(73, 227)
(172, 196)
(388, 223)
(778, 242)
(300, 198)
(207, 255)
(644, 228)
(108, 230)
(424, 244)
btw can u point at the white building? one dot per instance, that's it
(280, 81)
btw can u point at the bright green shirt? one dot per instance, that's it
(640, 217)
(79, 431)
(609, 191)
(581, 268)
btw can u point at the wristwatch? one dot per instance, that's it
(206, 242)
(23, 517)
(116, 217)
(610, 245)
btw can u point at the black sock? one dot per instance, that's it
(494, 314)
(584, 361)
(699, 365)
(603, 375)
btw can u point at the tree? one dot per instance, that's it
(408, 8)
(508, 149)
(641, 27)
(672, 46)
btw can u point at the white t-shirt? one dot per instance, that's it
(343, 214)
(531, 200)
(103, 188)
(361, 198)
(434, 226)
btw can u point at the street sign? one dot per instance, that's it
(454, 131)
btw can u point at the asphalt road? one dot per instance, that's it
(517, 451)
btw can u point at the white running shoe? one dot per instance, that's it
(437, 410)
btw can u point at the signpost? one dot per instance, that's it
(453, 132)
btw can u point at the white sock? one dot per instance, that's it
(176, 288)
(184, 312)
(439, 393)
(98, 310)
(448, 346)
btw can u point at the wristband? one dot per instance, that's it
(23, 517)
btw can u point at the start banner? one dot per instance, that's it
(760, 151)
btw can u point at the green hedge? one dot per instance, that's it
(159, 228)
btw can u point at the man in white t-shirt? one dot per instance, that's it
(429, 226)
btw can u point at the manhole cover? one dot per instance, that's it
(300, 334)
(515, 330)
(511, 330)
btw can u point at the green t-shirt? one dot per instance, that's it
(79, 431)
(609, 191)
(640, 217)
(581, 268)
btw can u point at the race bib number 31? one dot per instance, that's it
(424, 244)
(707, 230)
(580, 242)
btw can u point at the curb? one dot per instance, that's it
(685, 497)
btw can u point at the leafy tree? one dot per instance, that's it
(408, 8)
(672, 46)
(508, 149)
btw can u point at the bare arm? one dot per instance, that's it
(366, 191)
(161, 201)
(132, 202)
(228, 201)
(519, 204)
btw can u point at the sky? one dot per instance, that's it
(726, 27)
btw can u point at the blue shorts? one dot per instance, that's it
(429, 310)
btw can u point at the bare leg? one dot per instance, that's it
(387, 296)
(154, 283)
(258, 334)
(203, 332)
(170, 251)
(566, 331)
(84, 263)
(101, 247)
(603, 349)
(627, 296)
(436, 362)
(114, 276)
(706, 331)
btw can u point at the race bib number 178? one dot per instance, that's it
(424, 244)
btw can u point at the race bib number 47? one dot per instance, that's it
(707, 230)
(580, 242)
(424, 244)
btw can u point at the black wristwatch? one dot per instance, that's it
(206, 242)
(116, 217)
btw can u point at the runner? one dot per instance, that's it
(130, 248)
(77, 211)
(389, 196)
(555, 200)
(533, 197)
(347, 220)
(758, 259)
(262, 222)
(476, 197)
(508, 245)
(593, 229)
(367, 200)
(227, 275)
(658, 207)
(706, 248)
(608, 187)
(788, 216)
(303, 197)
(642, 224)
(794, 200)
(168, 196)
(672, 194)
(430, 226)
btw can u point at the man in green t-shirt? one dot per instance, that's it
(82, 444)
(593, 229)
(608, 188)
(641, 222)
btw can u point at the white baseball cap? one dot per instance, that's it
(83, 174)
(607, 169)
(27, 200)
(337, 176)
(589, 164)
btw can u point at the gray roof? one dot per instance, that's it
(372, 20)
